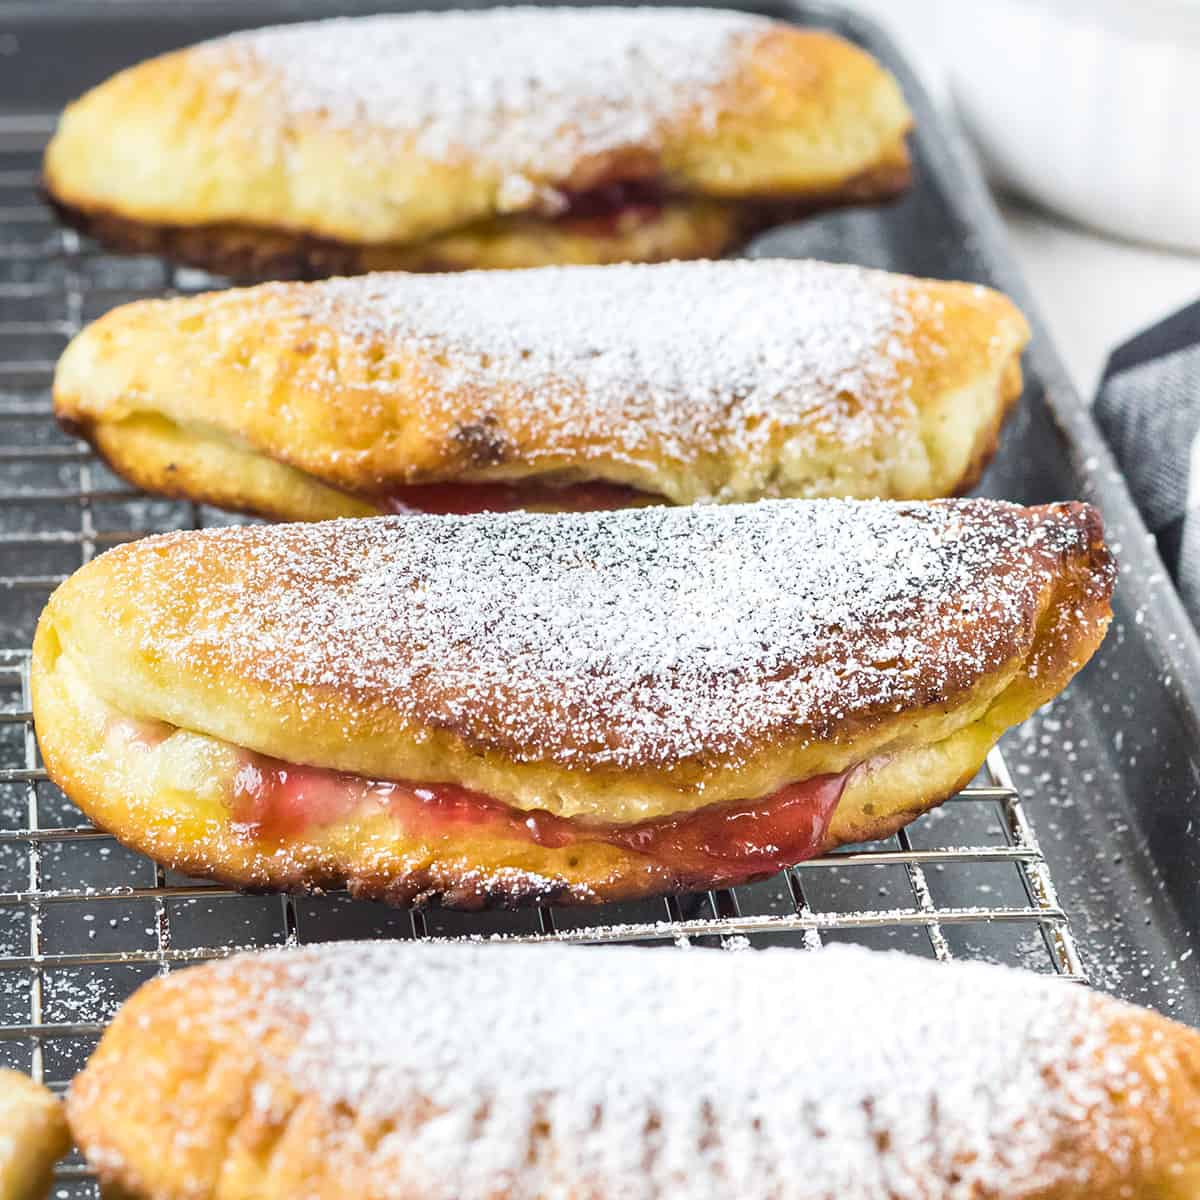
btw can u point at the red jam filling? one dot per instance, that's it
(510, 497)
(611, 207)
(274, 801)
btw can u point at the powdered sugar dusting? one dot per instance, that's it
(639, 637)
(675, 361)
(532, 91)
(548, 1071)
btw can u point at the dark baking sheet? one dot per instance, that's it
(1110, 772)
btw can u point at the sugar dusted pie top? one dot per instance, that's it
(528, 89)
(680, 359)
(638, 637)
(530, 1071)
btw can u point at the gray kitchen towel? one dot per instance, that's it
(1148, 408)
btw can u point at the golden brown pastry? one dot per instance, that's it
(386, 1071)
(505, 138)
(558, 388)
(33, 1137)
(576, 707)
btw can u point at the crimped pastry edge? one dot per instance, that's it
(252, 254)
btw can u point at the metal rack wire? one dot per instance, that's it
(83, 921)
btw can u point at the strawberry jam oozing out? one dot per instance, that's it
(275, 801)
(611, 207)
(511, 497)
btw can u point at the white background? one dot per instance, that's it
(1094, 291)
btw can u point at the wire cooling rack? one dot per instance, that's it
(83, 921)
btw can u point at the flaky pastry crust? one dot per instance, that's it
(325, 149)
(33, 1137)
(272, 639)
(311, 401)
(389, 1071)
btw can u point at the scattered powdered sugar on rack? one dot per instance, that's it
(670, 361)
(641, 637)
(546, 1071)
(531, 90)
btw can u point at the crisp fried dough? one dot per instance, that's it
(298, 153)
(686, 382)
(618, 667)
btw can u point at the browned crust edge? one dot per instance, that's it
(250, 254)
